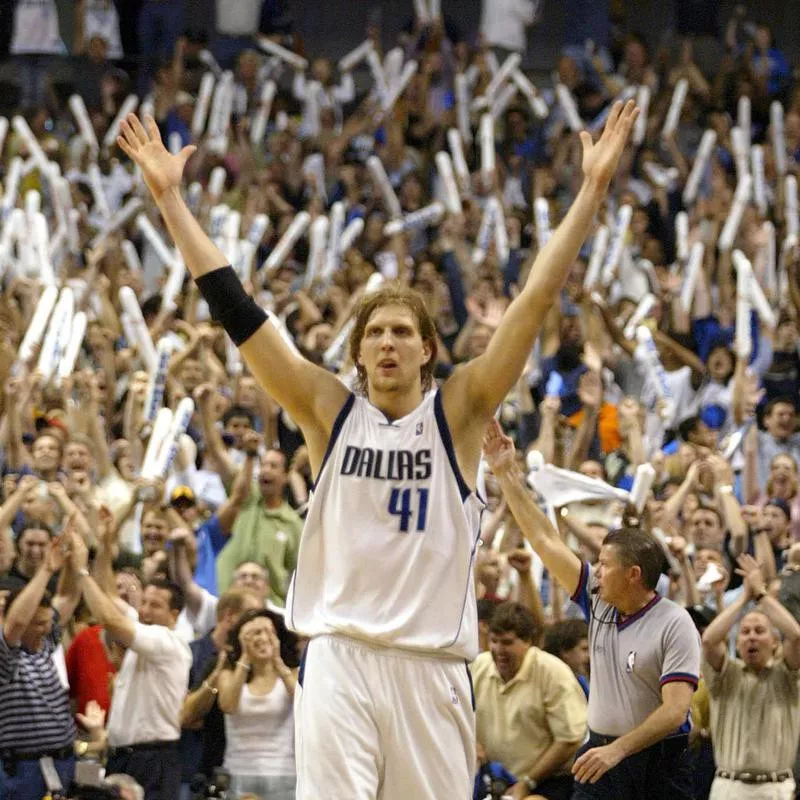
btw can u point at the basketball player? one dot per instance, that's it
(383, 582)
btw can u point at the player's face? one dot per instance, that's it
(392, 351)
(755, 641)
(507, 651)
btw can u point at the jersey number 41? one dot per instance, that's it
(400, 506)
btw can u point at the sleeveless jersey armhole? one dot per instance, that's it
(447, 441)
(341, 418)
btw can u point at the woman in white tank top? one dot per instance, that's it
(256, 693)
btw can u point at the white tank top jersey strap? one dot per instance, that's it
(260, 735)
(392, 528)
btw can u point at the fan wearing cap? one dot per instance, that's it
(211, 534)
(755, 716)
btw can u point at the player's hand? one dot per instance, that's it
(601, 158)
(498, 449)
(142, 143)
(594, 763)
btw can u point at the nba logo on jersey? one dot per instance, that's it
(630, 661)
(419, 429)
(453, 695)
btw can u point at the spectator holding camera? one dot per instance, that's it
(530, 710)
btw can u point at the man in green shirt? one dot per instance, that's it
(267, 530)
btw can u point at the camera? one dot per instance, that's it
(214, 789)
(495, 787)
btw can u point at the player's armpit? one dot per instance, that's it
(310, 395)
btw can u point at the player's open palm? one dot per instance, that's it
(161, 170)
(600, 158)
(498, 448)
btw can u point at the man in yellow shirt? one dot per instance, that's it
(531, 712)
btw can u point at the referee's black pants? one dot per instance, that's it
(660, 772)
(155, 766)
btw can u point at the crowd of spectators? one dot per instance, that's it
(142, 605)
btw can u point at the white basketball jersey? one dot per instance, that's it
(387, 548)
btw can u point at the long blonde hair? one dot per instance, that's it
(394, 294)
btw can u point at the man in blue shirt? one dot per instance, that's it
(212, 535)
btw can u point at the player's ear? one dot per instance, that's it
(427, 351)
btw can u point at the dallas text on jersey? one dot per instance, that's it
(390, 465)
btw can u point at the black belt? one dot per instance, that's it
(756, 777)
(19, 755)
(142, 747)
(680, 741)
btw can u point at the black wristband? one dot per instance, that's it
(230, 305)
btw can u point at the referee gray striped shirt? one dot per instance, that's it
(35, 713)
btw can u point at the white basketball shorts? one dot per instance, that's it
(375, 723)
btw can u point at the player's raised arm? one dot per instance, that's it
(486, 380)
(559, 560)
(309, 394)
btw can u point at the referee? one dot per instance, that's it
(645, 652)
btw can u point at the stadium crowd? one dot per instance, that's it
(153, 495)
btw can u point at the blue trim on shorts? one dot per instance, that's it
(301, 672)
(471, 686)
